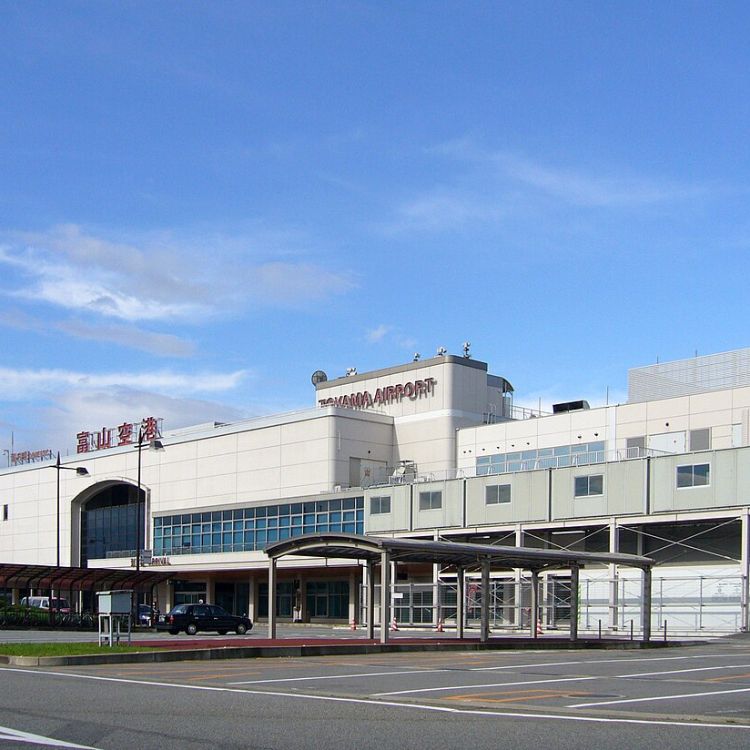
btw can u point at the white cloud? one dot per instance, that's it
(378, 334)
(492, 186)
(25, 385)
(445, 208)
(162, 344)
(295, 283)
(162, 277)
(584, 189)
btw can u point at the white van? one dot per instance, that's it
(43, 602)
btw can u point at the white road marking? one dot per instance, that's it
(14, 735)
(684, 671)
(487, 685)
(662, 698)
(340, 676)
(392, 704)
(474, 669)
(624, 660)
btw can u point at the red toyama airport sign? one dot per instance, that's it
(124, 434)
(388, 395)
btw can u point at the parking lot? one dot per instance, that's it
(691, 683)
(698, 694)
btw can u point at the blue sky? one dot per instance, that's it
(203, 203)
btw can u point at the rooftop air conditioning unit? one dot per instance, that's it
(570, 406)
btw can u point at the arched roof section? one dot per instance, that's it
(357, 547)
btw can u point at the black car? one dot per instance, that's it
(145, 615)
(194, 617)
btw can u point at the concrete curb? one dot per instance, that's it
(263, 652)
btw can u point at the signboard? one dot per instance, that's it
(114, 437)
(30, 457)
(383, 396)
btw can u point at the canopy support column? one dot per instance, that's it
(385, 595)
(646, 604)
(370, 600)
(534, 604)
(614, 574)
(484, 635)
(574, 579)
(272, 597)
(459, 602)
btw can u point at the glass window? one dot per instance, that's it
(495, 494)
(592, 484)
(379, 505)
(430, 500)
(693, 475)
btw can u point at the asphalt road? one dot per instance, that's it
(673, 699)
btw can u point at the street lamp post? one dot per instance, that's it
(154, 445)
(81, 471)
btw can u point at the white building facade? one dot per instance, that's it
(429, 449)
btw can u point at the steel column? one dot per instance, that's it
(614, 546)
(272, 597)
(534, 603)
(574, 578)
(646, 605)
(385, 595)
(459, 602)
(484, 635)
(370, 600)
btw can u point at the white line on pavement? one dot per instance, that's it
(487, 685)
(684, 671)
(340, 676)
(472, 669)
(391, 704)
(15, 735)
(661, 698)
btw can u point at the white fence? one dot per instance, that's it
(688, 605)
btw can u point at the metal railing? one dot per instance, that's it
(690, 605)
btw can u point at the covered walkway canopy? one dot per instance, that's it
(77, 579)
(383, 551)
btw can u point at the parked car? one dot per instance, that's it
(145, 615)
(45, 602)
(194, 617)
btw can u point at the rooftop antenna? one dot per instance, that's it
(467, 346)
(417, 355)
(442, 351)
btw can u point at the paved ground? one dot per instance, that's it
(681, 698)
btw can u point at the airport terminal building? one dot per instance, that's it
(432, 449)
